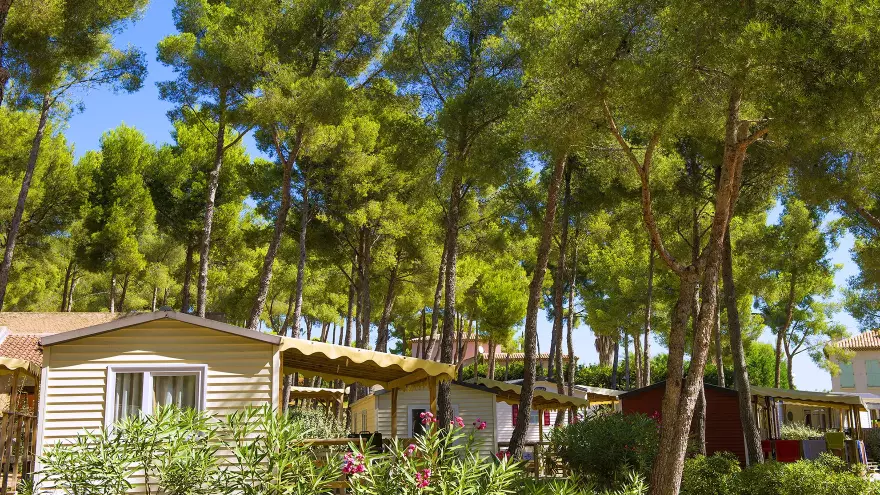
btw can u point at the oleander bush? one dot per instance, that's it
(441, 462)
(183, 452)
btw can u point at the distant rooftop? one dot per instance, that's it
(861, 342)
(469, 336)
(52, 323)
(519, 356)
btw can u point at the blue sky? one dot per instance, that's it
(105, 110)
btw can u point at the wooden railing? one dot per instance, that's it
(539, 460)
(18, 442)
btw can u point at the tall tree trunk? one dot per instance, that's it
(112, 293)
(352, 296)
(68, 274)
(73, 282)
(649, 309)
(210, 196)
(444, 403)
(740, 370)
(367, 304)
(5, 5)
(187, 277)
(570, 320)
(18, 214)
(155, 298)
(531, 328)
(438, 299)
(698, 426)
(359, 304)
(424, 337)
(614, 365)
(459, 347)
(288, 315)
(124, 293)
(789, 360)
(605, 348)
(278, 233)
(491, 366)
(782, 333)
(559, 288)
(719, 352)
(626, 369)
(637, 360)
(382, 334)
(165, 297)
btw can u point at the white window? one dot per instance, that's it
(133, 390)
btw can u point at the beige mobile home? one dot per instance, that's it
(488, 400)
(94, 376)
(97, 375)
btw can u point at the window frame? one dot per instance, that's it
(426, 408)
(200, 371)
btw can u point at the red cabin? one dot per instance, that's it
(724, 431)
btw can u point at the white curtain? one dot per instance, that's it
(179, 390)
(129, 393)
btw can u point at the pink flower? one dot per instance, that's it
(481, 426)
(427, 418)
(504, 454)
(353, 464)
(423, 479)
(459, 422)
(409, 450)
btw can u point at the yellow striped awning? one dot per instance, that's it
(364, 366)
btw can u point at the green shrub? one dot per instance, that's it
(93, 464)
(634, 484)
(605, 448)
(441, 462)
(872, 443)
(317, 422)
(720, 475)
(268, 458)
(717, 474)
(797, 431)
(178, 450)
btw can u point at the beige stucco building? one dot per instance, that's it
(861, 375)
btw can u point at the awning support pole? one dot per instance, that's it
(538, 446)
(394, 413)
(432, 390)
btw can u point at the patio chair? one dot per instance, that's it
(836, 442)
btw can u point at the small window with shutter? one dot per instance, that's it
(847, 377)
(872, 369)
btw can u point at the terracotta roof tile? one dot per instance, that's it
(52, 323)
(25, 347)
(861, 342)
